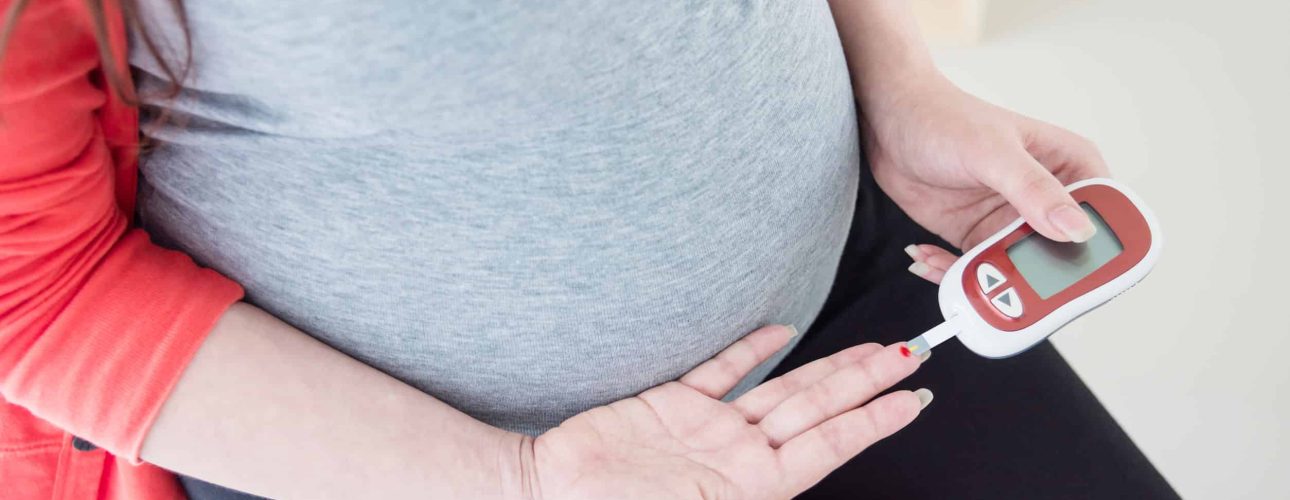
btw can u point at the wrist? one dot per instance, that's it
(895, 65)
(900, 88)
(884, 47)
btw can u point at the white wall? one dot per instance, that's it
(1190, 102)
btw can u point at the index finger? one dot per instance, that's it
(842, 390)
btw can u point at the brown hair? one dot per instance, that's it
(174, 72)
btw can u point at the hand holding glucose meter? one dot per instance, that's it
(1018, 287)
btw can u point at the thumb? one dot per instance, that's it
(1039, 197)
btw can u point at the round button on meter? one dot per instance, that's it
(988, 277)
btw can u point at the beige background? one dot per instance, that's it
(1190, 102)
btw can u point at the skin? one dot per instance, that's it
(678, 440)
(266, 409)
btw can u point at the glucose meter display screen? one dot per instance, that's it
(1050, 266)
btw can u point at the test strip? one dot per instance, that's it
(932, 338)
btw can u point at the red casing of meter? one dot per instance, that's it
(1120, 215)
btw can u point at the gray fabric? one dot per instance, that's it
(525, 209)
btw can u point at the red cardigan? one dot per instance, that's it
(96, 322)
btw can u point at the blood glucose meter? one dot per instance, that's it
(1018, 287)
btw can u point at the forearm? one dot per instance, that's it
(884, 47)
(266, 409)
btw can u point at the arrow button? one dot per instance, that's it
(988, 277)
(1008, 303)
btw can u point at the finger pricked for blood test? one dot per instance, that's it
(839, 392)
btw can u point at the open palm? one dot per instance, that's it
(679, 440)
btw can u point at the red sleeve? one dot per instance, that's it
(96, 322)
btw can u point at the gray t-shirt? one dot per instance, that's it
(524, 209)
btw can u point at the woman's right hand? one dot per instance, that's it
(679, 440)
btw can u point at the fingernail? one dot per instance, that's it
(1073, 222)
(792, 331)
(913, 252)
(925, 355)
(919, 269)
(924, 397)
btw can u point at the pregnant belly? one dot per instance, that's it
(552, 264)
(520, 303)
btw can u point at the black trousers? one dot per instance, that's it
(1025, 427)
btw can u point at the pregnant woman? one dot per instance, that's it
(485, 249)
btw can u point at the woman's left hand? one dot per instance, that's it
(963, 168)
